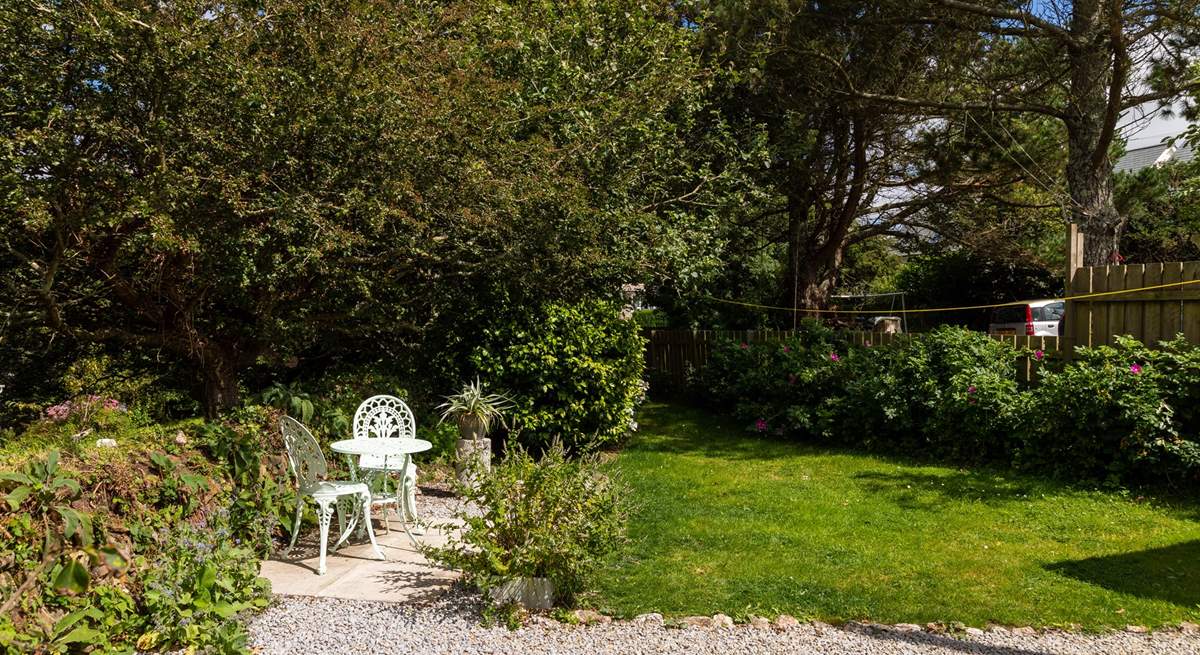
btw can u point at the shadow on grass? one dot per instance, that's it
(1169, 573)
(925, 640)
(930, 491)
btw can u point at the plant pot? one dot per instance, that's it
(530, 593)
(472, 457)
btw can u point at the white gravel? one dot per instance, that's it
(451, 624)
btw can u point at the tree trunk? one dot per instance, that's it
(1091, 116)
(219, 365)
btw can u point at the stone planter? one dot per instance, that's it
(530, 593)
(472, 457)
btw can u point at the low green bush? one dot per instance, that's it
(574, 373)
(1123, 414)
(555, 517)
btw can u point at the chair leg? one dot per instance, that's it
(326, 515)
(296, 524)
(341, 516)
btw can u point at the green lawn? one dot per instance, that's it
(730, 522)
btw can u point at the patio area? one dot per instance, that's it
(355, 572)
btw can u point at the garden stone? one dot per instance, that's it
(542, 621)
(1137, 629)
(974, 632)
(588, 617)
(722, 621)
(786, 622)
(906, 627)
(760, 622)
(653, 618)
(106, 443)
(696, 621)
(180, 438)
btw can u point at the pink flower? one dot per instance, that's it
(112, 403)
(787, 349)
(791, 378)
(745, 345)
(833, 357)
(868, 343)
(760, 425)
(60, 412)
(971, 389)
(1135, 369)
(1038, 355)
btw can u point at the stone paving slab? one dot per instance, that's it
(355, 572)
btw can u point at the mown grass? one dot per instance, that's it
(727, 521)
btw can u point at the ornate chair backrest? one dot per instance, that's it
(304, 454)
(382, 417)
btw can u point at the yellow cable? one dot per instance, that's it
(949, 309)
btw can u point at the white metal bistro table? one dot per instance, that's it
(385, 448)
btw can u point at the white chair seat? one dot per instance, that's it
(333, 488)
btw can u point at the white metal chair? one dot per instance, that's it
(308, 465)
(388, 417)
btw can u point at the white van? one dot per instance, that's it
(1038, 318)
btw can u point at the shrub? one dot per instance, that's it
(1126, 413)
(951, 393)
(574, 372)
(1118, 412)
(199, 581)
(555, 518)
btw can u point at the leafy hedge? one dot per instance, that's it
(574, 372)
(1122, 414)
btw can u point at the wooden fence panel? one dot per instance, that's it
(1147, 314)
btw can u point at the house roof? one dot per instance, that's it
(1138, 158)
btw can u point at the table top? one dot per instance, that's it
(383, 447)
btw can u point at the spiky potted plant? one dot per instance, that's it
(475, 412)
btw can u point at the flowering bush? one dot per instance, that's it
(1124, 413)
(83, 407)
(1118, 412)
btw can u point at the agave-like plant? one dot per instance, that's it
(474, 410)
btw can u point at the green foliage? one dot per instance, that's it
(475, 411)
(196, 585)
(243, 443)
(1162, 205)
(959, 278)
(289, 400)
(1120, 414)
(1124, 412)
(69, 562)
(573, 372)
(555, 518)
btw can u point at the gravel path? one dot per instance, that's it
(451, 625)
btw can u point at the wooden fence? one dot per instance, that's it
(1150, 316)
(675, 354)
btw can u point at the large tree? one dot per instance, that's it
(1084, 63)
(841, 170)
(234, 184)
